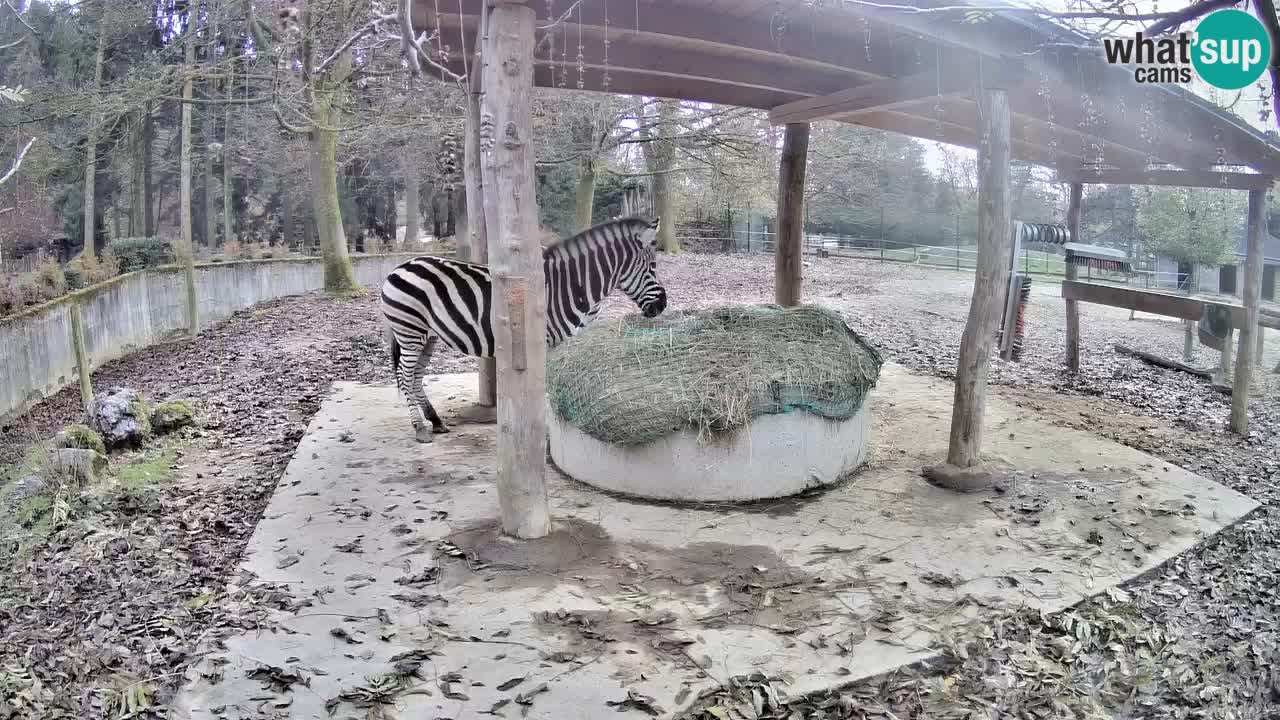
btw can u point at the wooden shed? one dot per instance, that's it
(1007, 82)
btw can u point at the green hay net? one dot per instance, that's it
(633, 380)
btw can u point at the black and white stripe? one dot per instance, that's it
(429, 300)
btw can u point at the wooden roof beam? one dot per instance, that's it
(1024, 148)
(1169, 178)
(888, 93)
(806, 39)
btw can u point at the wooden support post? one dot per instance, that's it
(1075, 206)
(1225, 359)
(788, 252)
(83, 363)
(1251, 296)
(477, 242)
(962, 471)
(515, 259)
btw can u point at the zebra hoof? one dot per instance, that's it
(423, 435)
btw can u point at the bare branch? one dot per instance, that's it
(17, 163)
(18, 14)
(411, 46)
(1191, 12)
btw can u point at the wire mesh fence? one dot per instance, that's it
(955, 257)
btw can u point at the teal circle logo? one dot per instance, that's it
(1232, 49)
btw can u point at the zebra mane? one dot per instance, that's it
(633, 220)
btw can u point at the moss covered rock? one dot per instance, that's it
(170, 416)
(122, 417)
(81, 437)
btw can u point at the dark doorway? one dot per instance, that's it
(1184, 275)
(1227, 279)
(1269, 282)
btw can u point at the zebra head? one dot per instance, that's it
(639, 281)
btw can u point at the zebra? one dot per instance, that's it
(430, 299)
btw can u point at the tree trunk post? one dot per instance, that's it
(1252, 296)
(186, 246)
(962, 470)
(1075, 206)
(82, 357)
(788, 250)
(91, 156)
(413, 214)
(477, 239)
(515, 258)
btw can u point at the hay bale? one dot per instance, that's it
(635, 380)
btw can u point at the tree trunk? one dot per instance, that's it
(287, 220)
(1075, 207)
(210, 234)
(413, 216)
(477, 240)
(515, 257)
(148, 138)
(339, 276)
(137, 203)
(1252, 296)
(228, 233)
(788, 250)
(662, 162)
(990, 279)
(91, 154)
(186, 247)
(585, 195)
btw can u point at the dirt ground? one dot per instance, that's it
(113, 601)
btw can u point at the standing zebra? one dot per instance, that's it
(429, 299)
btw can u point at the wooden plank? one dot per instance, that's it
(787, 256)
(515, 259)
(994, 239)
(1169, 178)
(1252, 296)
(878, 95)
(1075, 206)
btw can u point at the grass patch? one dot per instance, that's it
(152, 468)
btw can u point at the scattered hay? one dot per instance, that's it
(636, 380)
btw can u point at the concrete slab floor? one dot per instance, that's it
(396, 545)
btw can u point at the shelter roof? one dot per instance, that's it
(907, 71)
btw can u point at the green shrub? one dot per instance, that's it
(80, 436)
(138, 253)
(85, 271)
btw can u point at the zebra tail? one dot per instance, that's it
(395, 351)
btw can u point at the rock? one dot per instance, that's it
(121, 416)
(77, 464)
(171, 416)
(27, 487)
(82, 437)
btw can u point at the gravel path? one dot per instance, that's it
(121, 595)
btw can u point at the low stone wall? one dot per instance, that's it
(37, 354)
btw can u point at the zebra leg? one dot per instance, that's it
(405, 357)
(437, 425)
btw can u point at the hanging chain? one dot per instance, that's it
(937, 101)
(606, 47)
(866, 27)
(582, 64)
(551, 38)
(1044, 92)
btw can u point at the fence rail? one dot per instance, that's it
(959, 257)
